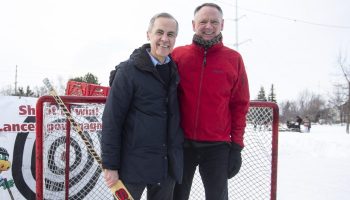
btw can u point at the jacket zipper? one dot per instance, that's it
(200, 92)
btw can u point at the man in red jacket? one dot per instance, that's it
(214, 100)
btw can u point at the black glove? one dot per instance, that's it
(234, 160)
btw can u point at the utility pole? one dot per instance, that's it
(236, 20)
(16, 81)
(236, 45)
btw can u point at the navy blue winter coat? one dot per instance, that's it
(141, 134)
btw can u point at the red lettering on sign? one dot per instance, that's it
(26, 110)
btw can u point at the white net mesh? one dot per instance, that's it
(82, 178)
(69, 172)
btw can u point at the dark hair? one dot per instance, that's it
(159, 15)
(210, 5)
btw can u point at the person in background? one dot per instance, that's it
(214, 101)
(142, 142)
(307, 124)
(299, 120)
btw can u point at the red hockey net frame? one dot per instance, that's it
(64, 170)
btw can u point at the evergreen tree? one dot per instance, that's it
(261, 95)
(272, 95)
(27, 93)
(88, 78)
(77, 79)
(20, 92)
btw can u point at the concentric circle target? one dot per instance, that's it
(84, 172)
(57, 156)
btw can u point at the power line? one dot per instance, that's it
(296, 20)
(289, 18)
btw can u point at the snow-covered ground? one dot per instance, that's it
(315, 165)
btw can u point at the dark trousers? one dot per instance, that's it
(212, 162)
(160, 191)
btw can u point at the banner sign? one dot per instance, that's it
(17, 147)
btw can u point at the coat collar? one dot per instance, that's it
(142, 61)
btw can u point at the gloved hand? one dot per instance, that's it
(234, 160)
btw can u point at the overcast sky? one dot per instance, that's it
(293, 44)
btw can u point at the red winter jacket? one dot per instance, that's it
(213, 93)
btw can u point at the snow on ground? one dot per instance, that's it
(315, 165)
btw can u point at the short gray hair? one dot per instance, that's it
(164, 15)
(210, 5)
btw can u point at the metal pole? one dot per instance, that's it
(8, 189)
(348, 110)
(236, 25)
(16, 81)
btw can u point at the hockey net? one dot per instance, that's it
(65, 170)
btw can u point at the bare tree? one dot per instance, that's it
(315, 107)
(345, 68)
(307, 104)
(303, 100)
(311, 104)
(289, 110)
(6, 90)
(61, 85)
(40, 91)
(337, 99)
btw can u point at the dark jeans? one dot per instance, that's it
(212, 162)
(160, 191)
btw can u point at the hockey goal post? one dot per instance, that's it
(65, 170)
